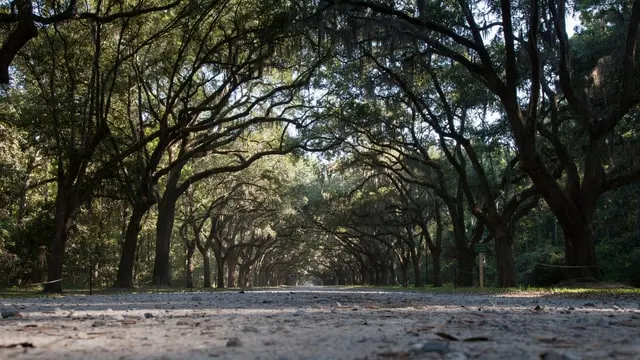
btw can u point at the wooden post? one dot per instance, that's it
(481, 267)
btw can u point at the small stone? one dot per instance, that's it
(251, 329)
(571, 308)
(554, 355)
(98, 323)
(233, 342)
(184, 322)
(455, 356)
(267, 301)
(241, 292)
(10, 314)
(430, 347)
(589, 304)
(148, 315)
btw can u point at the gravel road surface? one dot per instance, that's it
(320, 323)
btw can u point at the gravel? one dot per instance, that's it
(314, 323)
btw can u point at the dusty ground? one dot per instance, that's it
(318, 323)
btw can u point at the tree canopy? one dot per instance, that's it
(244, 143)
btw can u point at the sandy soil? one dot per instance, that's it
(318, 323)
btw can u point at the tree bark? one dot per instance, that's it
(503, 243)
(405, 275)
(189, 265)
(232, 261)
(415, 261)
(219, 271)
(164, 228)
(206, 264)
(464, 271)
(124, 278)
(64, 210)
(580, 254)
(437, 267)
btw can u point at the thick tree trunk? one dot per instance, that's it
(405, 275)
(464, 271)
(415, 262)
(504, 257)
(55, 261)
(206, 264)
(242, 276)
(124, 278)
(219, 272)
(580, 255)
(232, 261)
(164, 228)
(191, 248)
(56, 257)
(371, 276)
(437, 267)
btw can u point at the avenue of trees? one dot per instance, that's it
(236, 143)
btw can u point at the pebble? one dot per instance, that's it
(554, 355)
(233, 342)
(252, 329)
(10, 314)
(148, 315)
(430, 347)
(99, 323)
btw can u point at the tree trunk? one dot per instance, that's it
(232, 261)
(580, 254)
(504, 259)
(191, 248)
(206, 264)
(64, 211)
(164, 228)
(219, 271)
(124, 278)
(464, 271)
(504, 256)
(405, 276)
(415, 261)
(242, 276)
(437, 267)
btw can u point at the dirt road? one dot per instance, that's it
(320, 323)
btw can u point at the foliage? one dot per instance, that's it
(542, 267)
